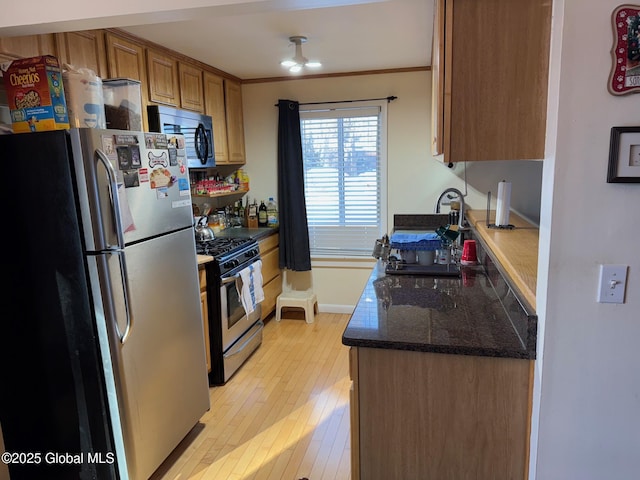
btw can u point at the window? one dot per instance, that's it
(344, 154)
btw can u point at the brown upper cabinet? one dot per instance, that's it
(191, 89)
(126, 59)
(12, 48)
(490, 69)
(85, 49)
(164, 86)
(223, 102)
(235, 121)
(165, 78)
(214, 107)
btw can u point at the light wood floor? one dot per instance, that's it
(283, 416)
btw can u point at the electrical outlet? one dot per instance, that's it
(612, 283)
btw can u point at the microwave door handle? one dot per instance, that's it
(200, 143)
(117, 221)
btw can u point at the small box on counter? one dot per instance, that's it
(35, 94)
(122, 103)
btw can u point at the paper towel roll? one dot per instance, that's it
(503, 203)
(85, 101)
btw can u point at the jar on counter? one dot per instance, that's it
(443, 255)
(214, 222)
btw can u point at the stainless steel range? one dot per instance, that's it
(234, 334)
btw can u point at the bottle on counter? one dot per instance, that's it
(241, 212)
(252, 216)
(272, 213)
(262, 214)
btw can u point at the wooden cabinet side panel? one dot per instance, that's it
(235, 122)
(499, 79)
(191, 91)
(437, 79)
(84, 49)
(162, 71)
(425, 415)
(214, 106)
(204, 306)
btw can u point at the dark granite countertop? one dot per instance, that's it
(475, 314)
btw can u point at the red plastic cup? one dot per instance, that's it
(469, 254)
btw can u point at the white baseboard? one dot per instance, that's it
(329, 308)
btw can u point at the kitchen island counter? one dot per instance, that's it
(442, 376)
(476, 314)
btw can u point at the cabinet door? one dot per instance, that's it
(495, 87)
(125, 59)
(85, 49)
(235, 121)
(28, 46)
(214, 106)
(269, 254)
(163, 78)
(191, 92)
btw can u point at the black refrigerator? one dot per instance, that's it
(101, 343)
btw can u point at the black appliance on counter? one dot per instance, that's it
(196, 128)
(234, 334)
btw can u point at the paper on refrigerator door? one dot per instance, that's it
(125, 211)
(503, 203)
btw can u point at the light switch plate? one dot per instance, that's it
(612, 283)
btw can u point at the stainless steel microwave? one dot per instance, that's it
(196, 128)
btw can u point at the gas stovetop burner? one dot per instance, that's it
(221, 247)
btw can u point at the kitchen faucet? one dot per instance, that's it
(460, 196)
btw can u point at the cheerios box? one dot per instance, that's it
(35, 94)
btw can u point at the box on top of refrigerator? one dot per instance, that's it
(35, 93)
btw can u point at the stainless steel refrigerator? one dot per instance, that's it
(101, 343)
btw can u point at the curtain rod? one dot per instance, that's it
(388, 99)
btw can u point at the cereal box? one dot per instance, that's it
(36, 94)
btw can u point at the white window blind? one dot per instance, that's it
(344, 154)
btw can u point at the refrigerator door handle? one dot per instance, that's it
(117, 221)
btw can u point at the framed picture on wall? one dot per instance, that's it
(624, 155)
(625, 72)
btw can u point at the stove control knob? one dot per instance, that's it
(231, 263)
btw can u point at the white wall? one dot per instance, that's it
(588, 372)
(415, 179)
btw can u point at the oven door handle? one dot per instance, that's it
(228, 280)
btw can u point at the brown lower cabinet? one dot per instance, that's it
(271, 273)
(418, 415)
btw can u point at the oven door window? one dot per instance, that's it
(235, 310)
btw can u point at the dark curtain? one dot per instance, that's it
(294, 234)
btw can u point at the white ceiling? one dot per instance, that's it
(248, 40)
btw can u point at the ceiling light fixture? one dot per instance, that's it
(299, 61)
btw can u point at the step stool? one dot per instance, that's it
(298, 298)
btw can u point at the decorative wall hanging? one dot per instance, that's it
(625, 72)
(624, 155)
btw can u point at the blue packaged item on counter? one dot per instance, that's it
(415, 241)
